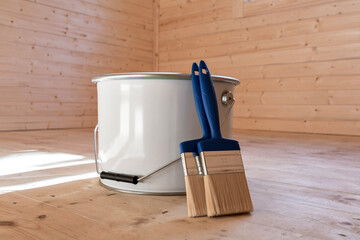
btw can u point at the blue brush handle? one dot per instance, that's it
(216, 142)
(199, 102)
(191, 146)
(209, 99)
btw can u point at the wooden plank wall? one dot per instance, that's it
(50, 50)
(298, 60)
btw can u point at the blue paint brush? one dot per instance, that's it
(195, 192)
(226, 188)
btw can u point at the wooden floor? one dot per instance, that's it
(303, 187)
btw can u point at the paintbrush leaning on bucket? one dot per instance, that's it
(194, 183)
(226, 188)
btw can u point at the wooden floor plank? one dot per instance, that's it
(30, 219)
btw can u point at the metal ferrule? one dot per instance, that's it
(184, 163)
(203, 163)
(214, 162)
(190, 163)
(199, 165)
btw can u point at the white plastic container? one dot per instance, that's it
(142, 119)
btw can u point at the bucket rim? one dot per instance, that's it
(157, 76)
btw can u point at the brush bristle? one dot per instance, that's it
(195, 195)
(227, 193)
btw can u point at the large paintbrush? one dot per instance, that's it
(226, 188)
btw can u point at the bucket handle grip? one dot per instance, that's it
(227, 99)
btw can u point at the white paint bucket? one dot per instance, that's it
(142, 119)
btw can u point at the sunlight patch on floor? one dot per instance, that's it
(33, 161)
(47, 182)
(25, 169)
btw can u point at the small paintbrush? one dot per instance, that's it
(194, 183)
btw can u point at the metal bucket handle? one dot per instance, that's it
(227, 99)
